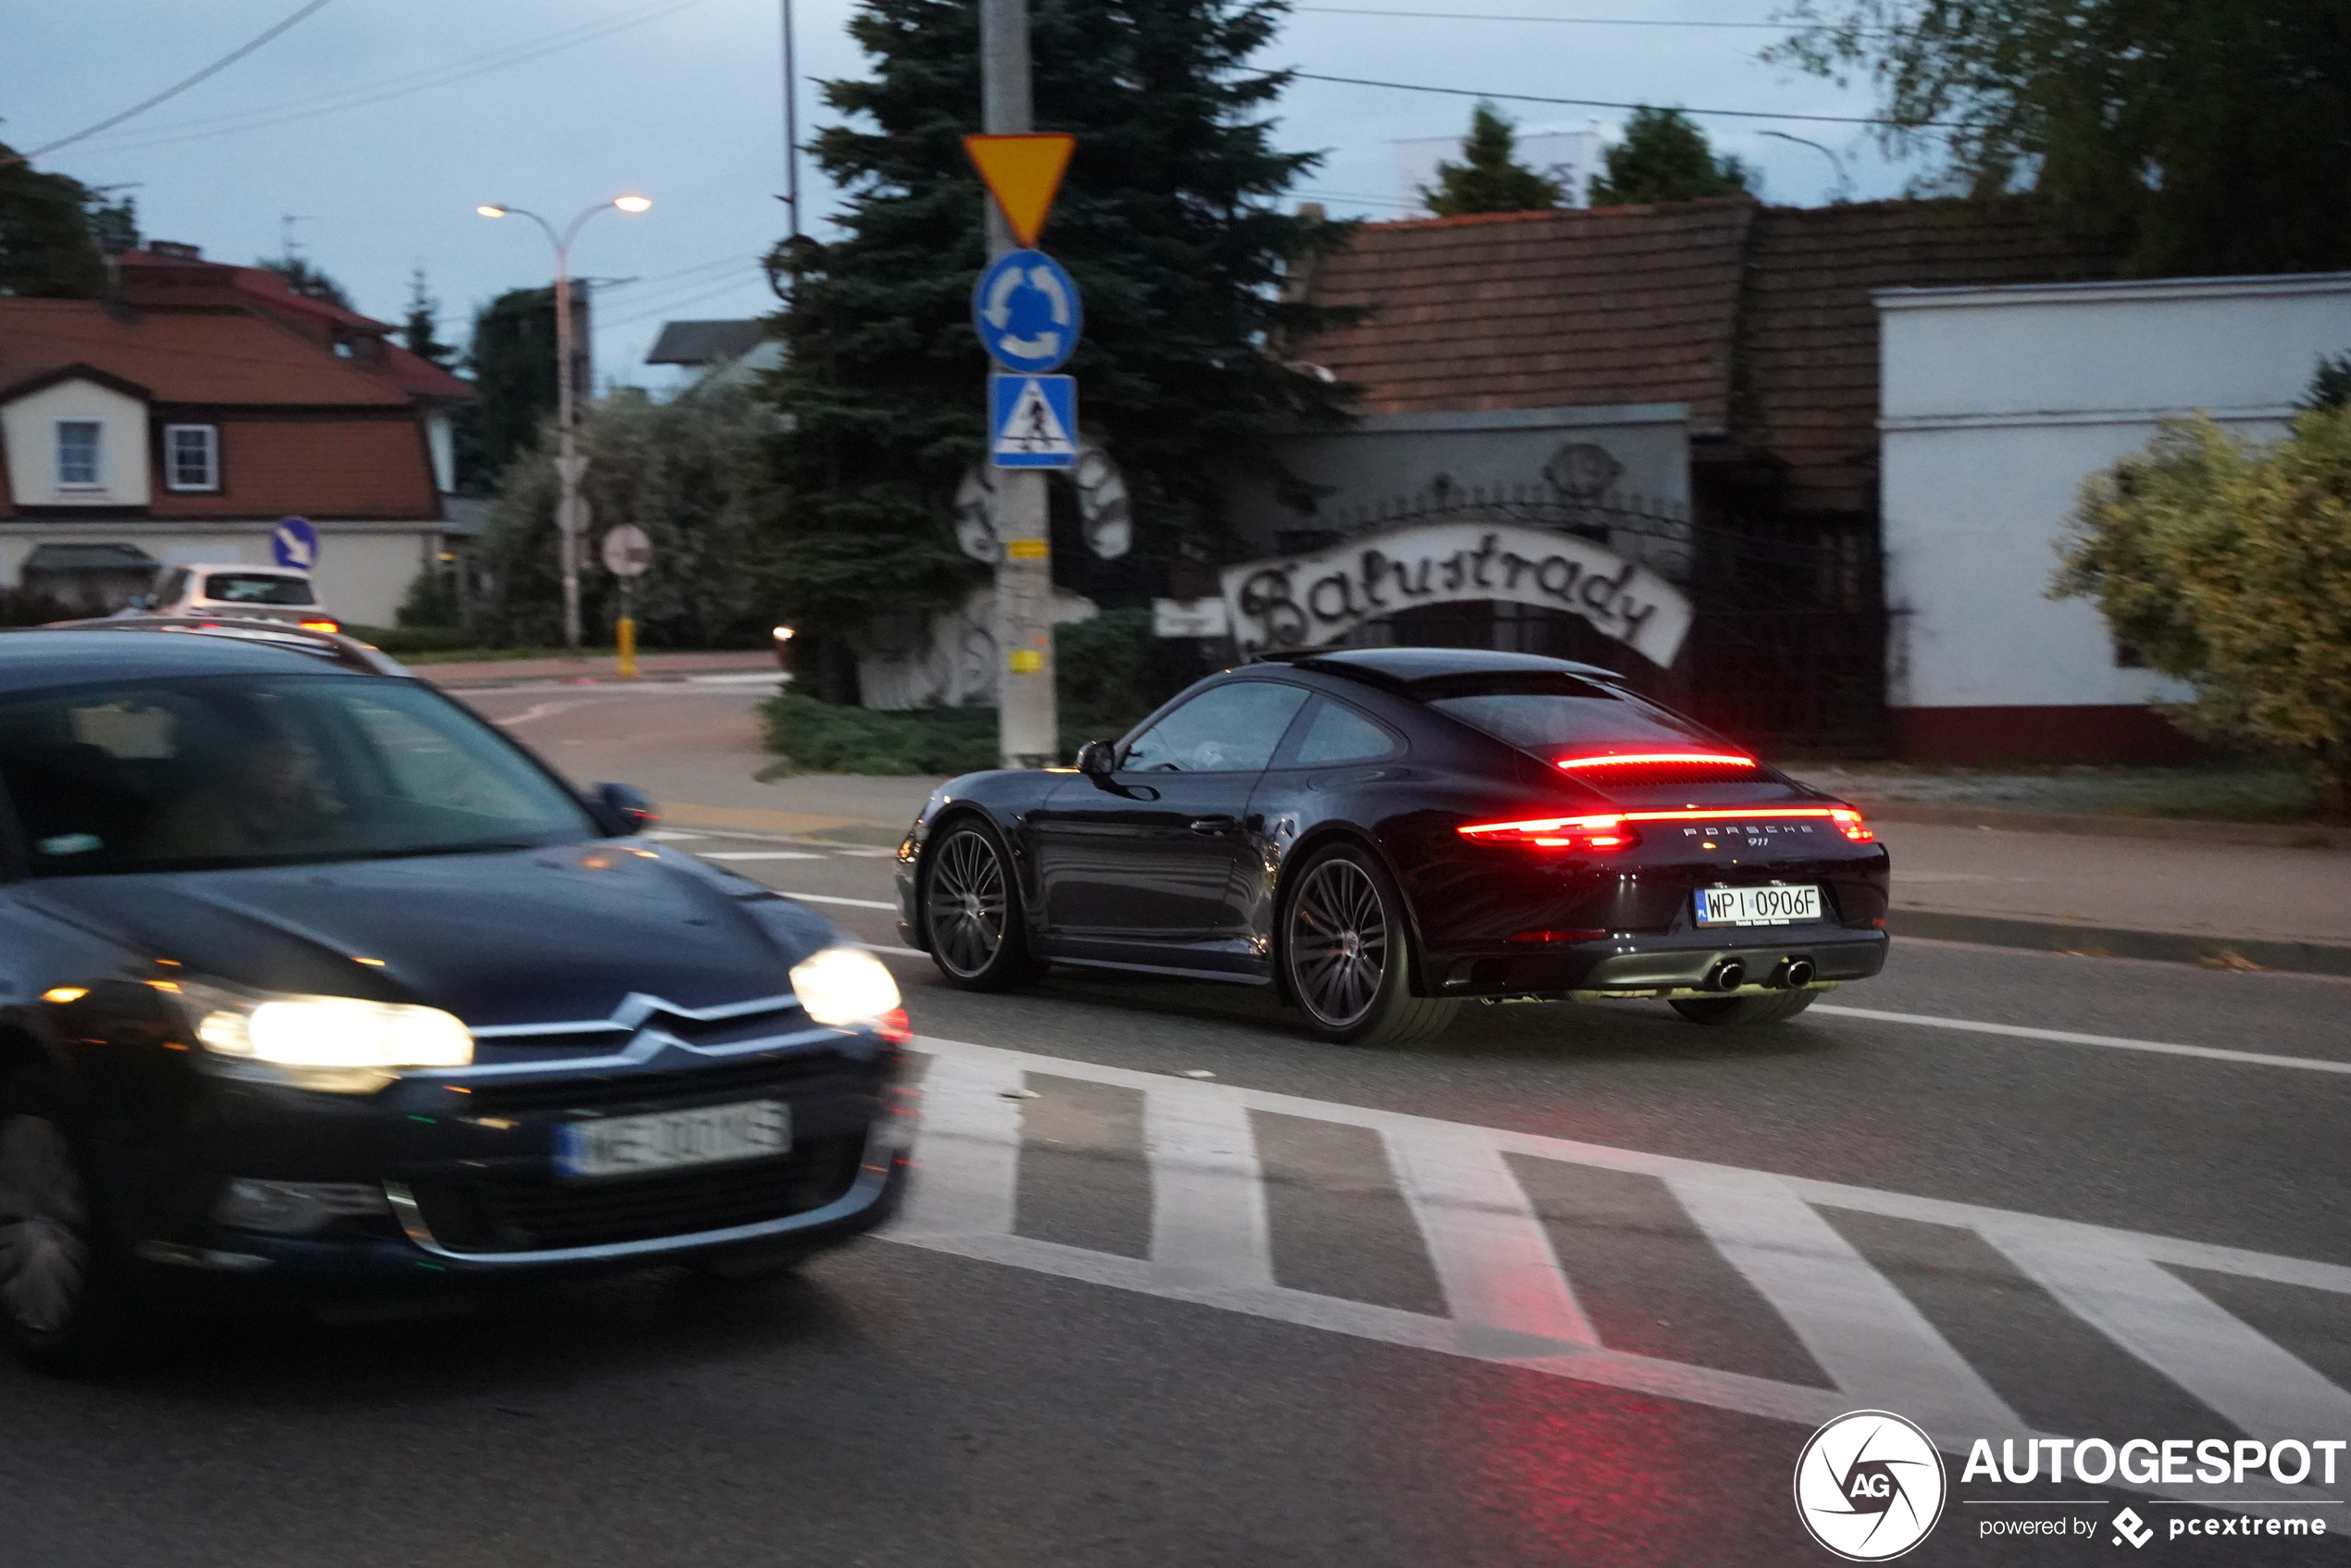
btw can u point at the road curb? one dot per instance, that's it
(2271, 835)
(2121, 941)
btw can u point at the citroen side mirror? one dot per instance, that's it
(1098, 759)
(625, 809)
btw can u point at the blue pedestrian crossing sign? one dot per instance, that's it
(294, 542)
(1032, 422)
(1025, 311)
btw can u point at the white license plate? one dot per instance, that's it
(668, 1140)
(1757, 906)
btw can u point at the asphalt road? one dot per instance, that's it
(1567, 1286)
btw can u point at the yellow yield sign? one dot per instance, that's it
(1022, 172)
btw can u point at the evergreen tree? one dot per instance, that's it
(1166, 220)
(420, 332)
(1665, 158)
(1489, 178)
(513, 362)
(47, 249)
(306, 280)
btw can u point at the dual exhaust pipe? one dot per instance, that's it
(1793, 973)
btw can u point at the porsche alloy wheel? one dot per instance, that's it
(1345, 947)
(972, 912)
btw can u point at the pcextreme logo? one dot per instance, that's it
(1870, 1485)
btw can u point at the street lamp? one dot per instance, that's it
(569, 465)
(1841, 189)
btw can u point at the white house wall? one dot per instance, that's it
(29, 426)
(364, 572)
(1996, 404)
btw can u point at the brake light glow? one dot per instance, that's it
(1849, 823)
(1556, 833)
(1630, 759)
(321, 625)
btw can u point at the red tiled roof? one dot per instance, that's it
(193, 355)
(1541, 309)
(1760, 318)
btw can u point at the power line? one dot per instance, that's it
(402, 86)
(223, 63)
(678, 305)
(1609, 104)
(1572, 22)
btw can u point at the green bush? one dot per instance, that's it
(399, 641)
(814, 737)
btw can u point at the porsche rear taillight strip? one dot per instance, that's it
(1612, 833)
(1631, 759)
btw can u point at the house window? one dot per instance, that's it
(191, 457)
(77, 454)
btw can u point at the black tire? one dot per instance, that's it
(1771, 1007)
(66, 1301)
(973, 918)
(1346, 954)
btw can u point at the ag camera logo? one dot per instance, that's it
(1870, 1485)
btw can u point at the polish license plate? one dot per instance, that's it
(1757, 906)
(708, 1135)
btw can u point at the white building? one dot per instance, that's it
(1996, 404)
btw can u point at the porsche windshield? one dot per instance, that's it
(252, 770)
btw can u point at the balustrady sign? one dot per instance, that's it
(1300, 601)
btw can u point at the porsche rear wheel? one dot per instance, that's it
(972, 913)
(1346, 955)
(1774, 1007)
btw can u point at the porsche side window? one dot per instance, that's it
(1228, 729)
(1337, 733)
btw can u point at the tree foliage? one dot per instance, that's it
(306, 280)
(46, 248)
(2229, 566)
(512, 360)
(692, 473)
(1489, 178)
(1168, 220)
(1664, 157)
(2214, 136)
(421, 330)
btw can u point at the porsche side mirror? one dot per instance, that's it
(1098, 759)
(625, 809)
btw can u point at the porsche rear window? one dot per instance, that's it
(1560, 715)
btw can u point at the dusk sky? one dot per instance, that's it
(378, 126)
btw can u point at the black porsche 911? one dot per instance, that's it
(313, 985)
(1385, 833)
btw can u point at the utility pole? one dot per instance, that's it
(1028, 721)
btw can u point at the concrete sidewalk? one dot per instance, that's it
(592, 669)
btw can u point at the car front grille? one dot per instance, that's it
(654, 1090)
(546, 1217)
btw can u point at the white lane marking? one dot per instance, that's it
(539, 711)
(827, 898)
(760, 854)
(671, 836)
(2182, 1334)
(2067, 1037)
(868, 854)
(1209, 1224)
(1875, 1345)
(968, 1147)
(739, 677)
(1764, 1217)
(1492, 1256)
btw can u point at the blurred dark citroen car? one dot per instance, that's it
(1385, 833)
(312, 983)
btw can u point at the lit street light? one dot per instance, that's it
(569, 465)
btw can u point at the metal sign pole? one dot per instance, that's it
(1028, 719)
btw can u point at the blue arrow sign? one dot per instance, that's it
(1025, 311)
(294, 544)
(1032, 422)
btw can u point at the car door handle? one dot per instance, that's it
(1216, 824)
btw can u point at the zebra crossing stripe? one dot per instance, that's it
(1510, 1304)
(2264, 1388)
(1876, 1346)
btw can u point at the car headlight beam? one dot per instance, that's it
(845, 986)
(329, 1033)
